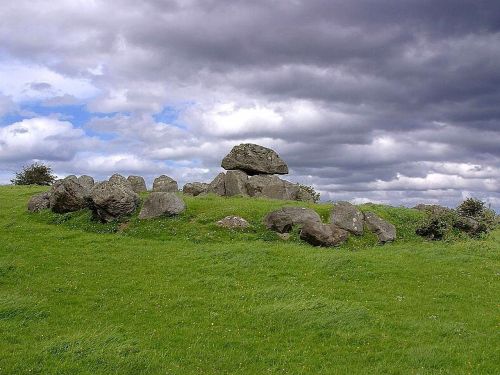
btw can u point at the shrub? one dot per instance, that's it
(471, 207)
(310, 191)
(34, 174)
(475, 209)
(438, 225)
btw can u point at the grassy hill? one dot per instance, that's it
(182, 296)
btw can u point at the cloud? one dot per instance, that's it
(388, 101)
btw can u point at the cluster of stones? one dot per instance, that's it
(345, 219)
(251, 171)
(112, 199)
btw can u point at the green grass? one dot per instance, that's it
(182, 296)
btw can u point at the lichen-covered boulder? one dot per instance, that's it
(254, 159)
(67, 195)
(39, 202)
(271, 187)
(233, 222)
(218, 185)
(235, 183)
(326, 235)
(112, 200)
(86, 181)
(159, 204)
(284, 219)
(347, 216)
(195, 188)
(385, 231)
(165, 184)
(138, 184)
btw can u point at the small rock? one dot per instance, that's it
(39, 202)
(283, 236)
(195, 188)
(384, 230)
(283, 220)
(159, 204)
(319, 234)
(138, 184)
(233, 222)
(347, 216)
(165, 184)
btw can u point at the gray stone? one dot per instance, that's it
(233, 222)
(326, 235)
(347, 216)
(271, 187)
(87, 182)
(71, 177)
(235, 183)
(467, 224)
(39, 202)
(195, 188)
(119, 179)
(138, 184)
(159, 204)
(384, 230)
(67, 195)
(218, 185)
(254, 159)
(165, 184)
(284, 219)
(112, 200)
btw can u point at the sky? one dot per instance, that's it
(394, 102)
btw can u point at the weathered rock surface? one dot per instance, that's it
(39, 202)
(347, 216)
(233, 222)
(111, 200)
(384, 230)
(165, 184)
(195, 188)
(138, 184)
(271, 187)
(467, 224)
(235, 183)
(218, 185)
(283, 220)
(319, 234)
(67, 195)
(119, 179)
(159, 204)
(254, 159)
(86, 181)
(71, 177)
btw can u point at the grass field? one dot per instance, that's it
(182, 296)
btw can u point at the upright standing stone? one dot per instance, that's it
(138, 183)
(195, 188)
(67, 195)
(384, 230)
(159, 204)
(165, 184)
(235, 183)
(39, 202)
(218, 185)
(112, 200)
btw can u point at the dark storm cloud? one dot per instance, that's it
(358, 96)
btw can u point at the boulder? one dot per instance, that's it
(347, 216)
(71, 177)
(233, 222)
(39, 202)
(112, 200)
(67, 195)
(161, 203)
(319, 234)
(235, 183)
(195, 188)
(254, 159)
(138, 184)
(384, 230)
(468, 225)
(165, 184)
(284, 219)
(271, 187)
(218, 185)
(119, 179)
(86, 181)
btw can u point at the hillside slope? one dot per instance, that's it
(182, 296)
